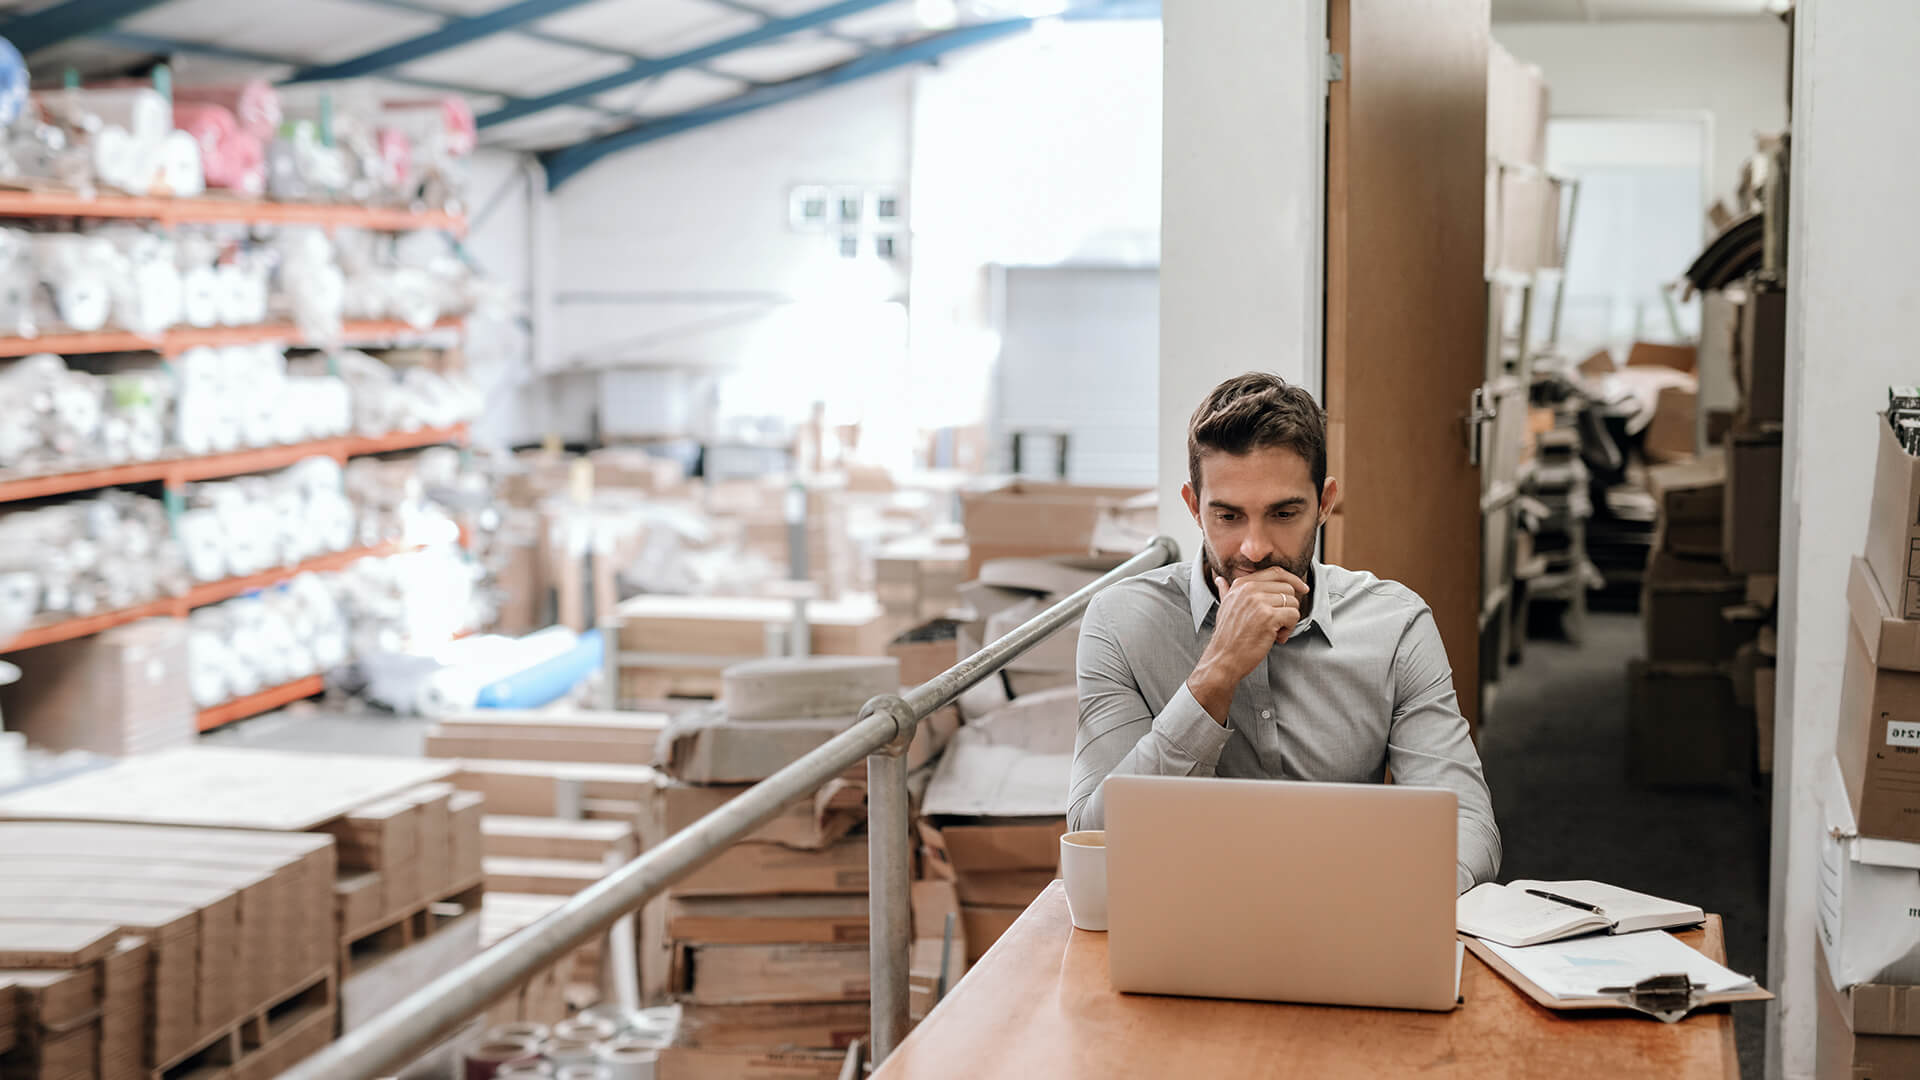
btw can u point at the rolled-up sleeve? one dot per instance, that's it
(1429, 745)
(1119, 733)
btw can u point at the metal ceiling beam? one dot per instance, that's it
(565, 163)
(759, 35)
(545, 37)
(166, 46)
(70, 19)
(453, 33)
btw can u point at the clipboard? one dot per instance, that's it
(1667, 998)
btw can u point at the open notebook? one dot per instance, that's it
(1512, 915)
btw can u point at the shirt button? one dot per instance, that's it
(1266, 714)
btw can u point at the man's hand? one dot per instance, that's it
(1256, 613)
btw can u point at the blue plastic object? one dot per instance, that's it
(548, 680)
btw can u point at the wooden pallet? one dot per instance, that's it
(366, 946)
(251, 1045)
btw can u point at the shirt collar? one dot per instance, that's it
(1201, 602)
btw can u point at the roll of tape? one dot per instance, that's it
(582, 1028)
(487, 1061)
(628, 1059)
(571, 1051)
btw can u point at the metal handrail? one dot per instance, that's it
(880, 735)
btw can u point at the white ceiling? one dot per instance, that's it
(272, 38)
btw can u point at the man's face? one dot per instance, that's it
(1257, 510)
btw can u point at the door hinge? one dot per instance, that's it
(1336, 67)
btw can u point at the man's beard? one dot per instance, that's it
(1300, 566)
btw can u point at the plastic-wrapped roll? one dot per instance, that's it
(83, 302)
(13, 83)
(149, 298)
(19, 600)
(396, 151)
(255, 104)
(199, 532)
(119, 160)
(200, 296)
(207, 662)
(180, 171)
(229, 157)
(141, 111)
(235, 296)
(446, 124)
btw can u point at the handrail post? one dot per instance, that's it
(889, 879)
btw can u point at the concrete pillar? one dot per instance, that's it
(1853, 315)
(1241, 233)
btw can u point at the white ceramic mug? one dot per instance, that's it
(1083, 864)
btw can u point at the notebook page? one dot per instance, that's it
(1505, 913)
(1625, 908)
(1581, 967)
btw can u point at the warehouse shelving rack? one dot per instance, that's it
(219, 210)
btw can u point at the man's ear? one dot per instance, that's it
(1329, 498)
(1193, 500)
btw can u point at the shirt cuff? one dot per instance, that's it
(1188, 726)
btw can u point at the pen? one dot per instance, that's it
(1558, 899)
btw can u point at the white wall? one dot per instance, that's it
(678, 255)
(1242, 226)
(1733, 69)
(1042, 150)
(1854, 307)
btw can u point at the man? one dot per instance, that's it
(1257, 660)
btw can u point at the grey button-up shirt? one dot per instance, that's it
(1363, 684)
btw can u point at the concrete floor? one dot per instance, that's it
(1554, 754)
(1555, 758)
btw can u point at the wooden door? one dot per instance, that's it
(1405, 330)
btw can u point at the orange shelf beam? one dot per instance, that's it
(211, 592)
(265, 701)
(185, 470)
(213, 210)
(180, 339)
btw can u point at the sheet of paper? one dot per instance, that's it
(1621, 905)
(1581, 967)
(1504, 913)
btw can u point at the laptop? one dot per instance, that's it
(1325, 894)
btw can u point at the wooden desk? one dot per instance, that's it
(1039, 1004)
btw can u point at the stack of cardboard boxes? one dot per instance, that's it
(139, 949)
(768, 942)
(119, 692)
(995, 811)
(566, 796)
(1702, 700)
(1870, 865)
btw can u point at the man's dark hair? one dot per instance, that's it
(1258, 411)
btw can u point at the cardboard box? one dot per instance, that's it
(703, 746)
(689, 1063)
(1649, 354)
(756, 974)
(464, 813)
(768, 920)
(761, 869)
(1026, 518)
(1684, 729)
(927, 651)
(1681, 606)
(1847, 1047)
(436, 839)
(807, 823)
(1893, 523)
(820, 1025)
(1878, 741)
(809, 687)
(1869, 889)
(956, 848)
(1751, 541)
(119, 692)
(1763, 358)
(984, 925)
(1670, 436)
(1691, 498)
